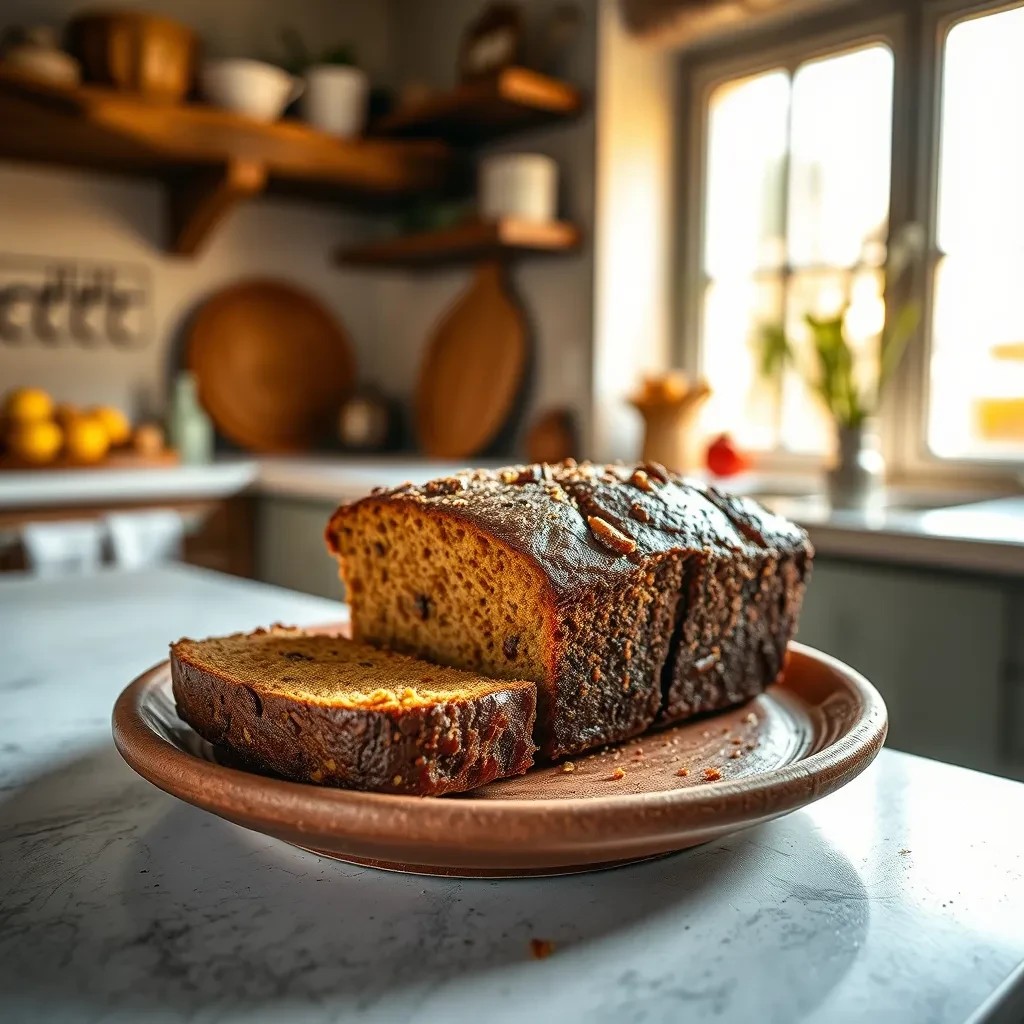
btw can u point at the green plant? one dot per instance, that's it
(299, 57)
(832, 372)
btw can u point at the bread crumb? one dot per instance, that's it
(734, 754)
(736, 740)
(568, 767)
(619, 773)
(316, 775)
(541, 949)
(706, 734)
(712, 774)
(639, 752)
(397, 780)
(751, 719)
(616, 755)
(683, 772)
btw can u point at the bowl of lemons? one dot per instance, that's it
(36, 431)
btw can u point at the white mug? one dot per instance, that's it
(251, 87)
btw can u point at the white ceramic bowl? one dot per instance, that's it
(335, 99)
(251, 87)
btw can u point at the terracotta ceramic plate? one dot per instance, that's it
(811, 733)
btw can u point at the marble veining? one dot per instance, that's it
(897, 899)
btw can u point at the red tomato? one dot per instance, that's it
(724, 458)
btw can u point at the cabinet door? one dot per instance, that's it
(932, 643)
(290, 547)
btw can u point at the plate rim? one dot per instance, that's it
(586, 824)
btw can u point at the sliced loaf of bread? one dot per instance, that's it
(323, 709)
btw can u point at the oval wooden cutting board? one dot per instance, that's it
(473, 369)
(272, 365)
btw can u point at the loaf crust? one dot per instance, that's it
(650, 598)
(276, 712)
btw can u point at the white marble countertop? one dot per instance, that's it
(900, 898)
(948, 531)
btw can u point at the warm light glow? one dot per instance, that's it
(746, 164)
(866, 316)
(981, 229)
(778, 246)
(840, 152)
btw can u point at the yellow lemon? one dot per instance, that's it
(85, 440)
(114, 422)
(28, 405)
(38, 443)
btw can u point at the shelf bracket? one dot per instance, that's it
(199, 201)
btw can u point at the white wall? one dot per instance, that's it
(71, 214)
(56, 213)
(635, 228)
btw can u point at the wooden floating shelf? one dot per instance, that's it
(210, 158)
(465, 243)
(512, 100)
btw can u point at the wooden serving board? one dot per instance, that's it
(115, 460)
(473, 369)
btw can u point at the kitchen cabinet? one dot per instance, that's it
(219, 532)
(290, 549)
(935, 644)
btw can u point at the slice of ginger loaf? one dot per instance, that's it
(318, 708)
(627, 594)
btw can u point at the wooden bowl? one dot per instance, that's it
(272, 365)
(147, 54)
(812, 732)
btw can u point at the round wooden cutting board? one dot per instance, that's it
(473, 369)
(813, 731)
(271, 364)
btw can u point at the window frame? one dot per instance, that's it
(915, 31)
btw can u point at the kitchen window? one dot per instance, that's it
(808, 158)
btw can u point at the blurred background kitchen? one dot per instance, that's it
(256, 258)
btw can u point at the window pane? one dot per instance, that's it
(746, 174)
(840, 145)
(742, 402)
(981, 202)
(976, 405)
